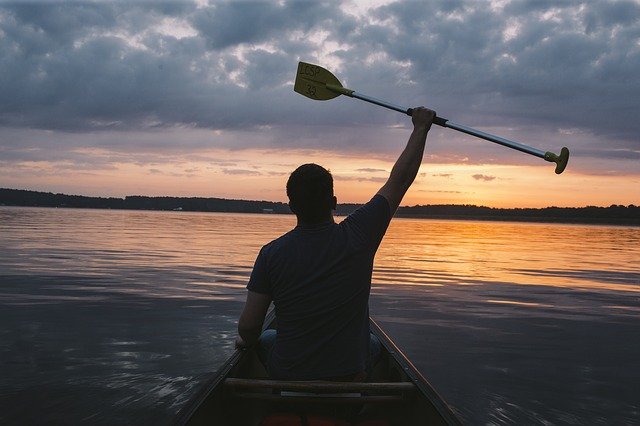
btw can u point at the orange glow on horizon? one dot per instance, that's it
(262, 175)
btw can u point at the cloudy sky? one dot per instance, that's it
(196, 99)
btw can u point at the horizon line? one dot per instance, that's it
(283, 202)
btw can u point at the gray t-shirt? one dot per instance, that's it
(319, 278)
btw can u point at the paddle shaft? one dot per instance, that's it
(455, 126)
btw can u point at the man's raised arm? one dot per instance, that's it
(406, 168)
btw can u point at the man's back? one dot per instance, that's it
(319, 277)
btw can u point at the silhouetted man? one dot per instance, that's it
(318, 275)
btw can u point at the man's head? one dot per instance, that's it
(310, 192)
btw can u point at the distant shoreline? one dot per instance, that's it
(612, 215)
(533, 219)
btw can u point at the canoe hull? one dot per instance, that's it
(219, 401)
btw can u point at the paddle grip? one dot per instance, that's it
(436, 120)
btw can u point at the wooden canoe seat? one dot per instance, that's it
(319, 391)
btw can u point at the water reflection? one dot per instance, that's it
(574, 256)
(116, 316)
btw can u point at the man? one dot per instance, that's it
(318, 275)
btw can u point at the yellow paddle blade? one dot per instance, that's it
(317, 83)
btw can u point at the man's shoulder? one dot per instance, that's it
(278, 243)
(379, 201)
(369, 223)
(378, 207)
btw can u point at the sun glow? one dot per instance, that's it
(262, 175)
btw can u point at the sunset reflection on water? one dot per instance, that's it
(440, 252)
(513, 323)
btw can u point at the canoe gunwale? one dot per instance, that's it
(194, 404)
(414, 375)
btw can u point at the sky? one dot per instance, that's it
(115, 98)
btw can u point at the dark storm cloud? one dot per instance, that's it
(528, 65)
(231, 23)
(82, 67)
(532, 61)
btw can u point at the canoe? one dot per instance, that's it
(241, 393)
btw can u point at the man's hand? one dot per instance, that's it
(241, 344)
(422, 118)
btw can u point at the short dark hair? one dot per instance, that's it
(310, 192)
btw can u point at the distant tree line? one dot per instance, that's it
(614, 214)
(16, 197)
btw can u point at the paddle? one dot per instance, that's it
(317, 83)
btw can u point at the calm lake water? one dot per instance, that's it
(116, 317)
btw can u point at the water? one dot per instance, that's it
(118, 316)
